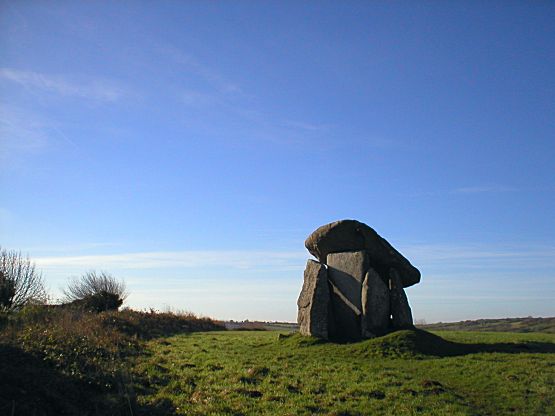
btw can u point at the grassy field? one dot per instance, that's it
(494, 325)
(70, 362)
(408, 372)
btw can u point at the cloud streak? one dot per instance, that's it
(20, 132)
(235, 259)
(224, 282)
(452, 259)
(97, 90)
(24, 133)
(196, 67)
(483, 189)
(482, 262)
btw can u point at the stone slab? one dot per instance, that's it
(314, 301)
(375, 305)
(401, 314)
(347, 271)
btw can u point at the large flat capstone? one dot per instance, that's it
(352, 235)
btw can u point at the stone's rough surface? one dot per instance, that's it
(346, 316)
(375, 305)
(352, 235)
(314, 301)
(400, 309)
(333, 238)
(346, 271)
(356, 291)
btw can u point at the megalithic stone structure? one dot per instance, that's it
(356, 289)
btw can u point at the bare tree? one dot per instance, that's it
(96, 291)
(20, 282)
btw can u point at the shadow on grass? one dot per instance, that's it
(28, 386)
(426, 343)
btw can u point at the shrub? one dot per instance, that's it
(96, 292)
(20, 283)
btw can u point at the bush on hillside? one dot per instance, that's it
(20, 283)
(96, 292)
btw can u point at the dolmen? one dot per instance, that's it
(356, 288)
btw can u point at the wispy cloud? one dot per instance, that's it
(194, 66)
(456, 259)
(217, 92)
(483, 189)
(98, 90)
(6, 217)
(20, 132)
(24, 133)
(467, 190)
(198, 99)
(313, 127)
(458, 280)
(242, 259)
(442, 252)
(482, 261)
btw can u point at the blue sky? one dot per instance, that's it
(190, 147)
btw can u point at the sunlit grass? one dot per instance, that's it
(407, 372)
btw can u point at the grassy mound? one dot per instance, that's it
(409, 343)
(419, 344)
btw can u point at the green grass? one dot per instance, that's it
(504, 325)
(57, 361)
(406, 373)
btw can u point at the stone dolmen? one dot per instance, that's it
(355, 289)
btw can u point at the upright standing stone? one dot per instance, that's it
(314, 301)
(346, 271)
(345, 316)
(400, 310)
(375, 305)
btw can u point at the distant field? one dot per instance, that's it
(498, 325)
(529, 324)
(408, 372)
